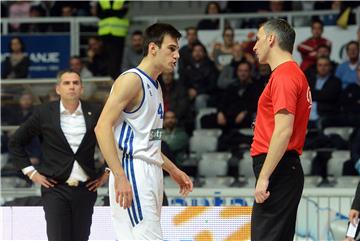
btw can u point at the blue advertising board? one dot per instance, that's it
(48, 54)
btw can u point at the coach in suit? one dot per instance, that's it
(354, 214)
(67, 174)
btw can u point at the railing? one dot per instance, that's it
(75, 22)
(50, 80)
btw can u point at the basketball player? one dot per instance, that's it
(129, 129)
(279, 135)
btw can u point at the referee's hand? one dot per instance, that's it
(261, 192)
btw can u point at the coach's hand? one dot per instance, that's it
(123, 191)
(42, 180)
(353, 216)
(261, 192)
(95, 184)
(183, 181)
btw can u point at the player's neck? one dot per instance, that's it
(149, 68)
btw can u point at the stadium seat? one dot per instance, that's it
(306, 161)
(246, 131)
(344, 132)
(335, 164)
(199, 144)
(218, 182)
(202, 112)
(245, 165)
(204, 140)
(207, 132)
(214, 164)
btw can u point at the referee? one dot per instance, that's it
(279, 135)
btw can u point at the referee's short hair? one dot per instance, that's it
(284, 32)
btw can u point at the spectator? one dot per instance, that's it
(322, 51)
(330, 19)
(199, 77)
(133, 53)
(51, 8)
(228, 74)
(19, 115)
(77, 65)
(52, 95)
(350, 103)
(175, 98)
(263, 76)
(237, 105)
(96, 57)
(113, 28)
(309, 47)
(4, 10)
(35, 12)
(352, 167)
(174, 136)
(16, 66)
(222, 53)
(186, 50)
(212, 8)
(248, 44)
(67, 10)
(18, 9)
(325, 91)
(347, 70)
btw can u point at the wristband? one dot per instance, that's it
(32, 174)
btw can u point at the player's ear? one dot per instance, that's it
(152, 48)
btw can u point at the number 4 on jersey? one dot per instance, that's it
(160, 112)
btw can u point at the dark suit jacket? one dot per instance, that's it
(356, 203)
(57, 153)
(328, 97)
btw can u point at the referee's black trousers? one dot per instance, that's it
(274, 220)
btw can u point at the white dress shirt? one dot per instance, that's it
(74, 128)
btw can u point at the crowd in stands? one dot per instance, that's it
(226, 77)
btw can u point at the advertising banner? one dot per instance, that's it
(48, 54)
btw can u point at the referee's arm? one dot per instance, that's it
(284, 122)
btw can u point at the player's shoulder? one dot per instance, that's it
(128, 78)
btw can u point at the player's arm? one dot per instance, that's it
(126, 92)
(284, 121)
(177, 175)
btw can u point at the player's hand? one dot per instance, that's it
(353, 216)
(123, 191)
(261, 192)
(183, 181)
(43, 181)
(95, 184)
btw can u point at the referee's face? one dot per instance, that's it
(261, 47)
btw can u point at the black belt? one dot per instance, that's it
(290, 153)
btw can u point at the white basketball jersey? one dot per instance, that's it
(138, 133)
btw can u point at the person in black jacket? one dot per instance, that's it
(237, 105)
(325, 91)
(199, 77)
(67, 174)
(354, 213)
(16, 65)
